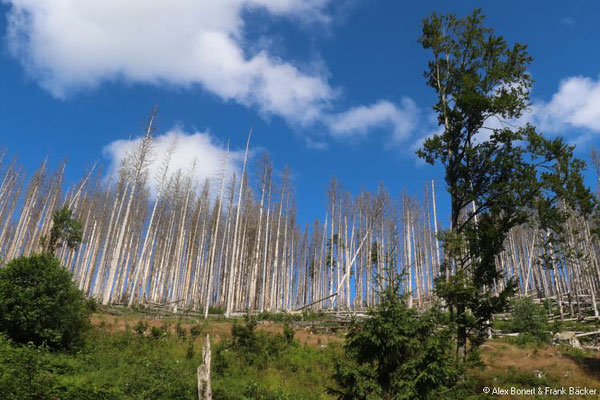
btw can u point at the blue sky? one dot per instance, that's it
(330, 87)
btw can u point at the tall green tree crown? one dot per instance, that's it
(499, 172)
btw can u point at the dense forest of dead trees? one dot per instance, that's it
(235, 243)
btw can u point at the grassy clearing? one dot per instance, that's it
(133, 357)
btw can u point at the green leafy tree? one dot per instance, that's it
(66, 230)
(396, 353)
(499, 174)
(39, 303)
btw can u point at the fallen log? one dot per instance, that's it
(587, 334)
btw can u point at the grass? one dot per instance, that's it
(110, 366)
(149, 359)
(507, 364)
(133, 357)
(298, 372)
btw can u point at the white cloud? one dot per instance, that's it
(575, 105)
(70, 45)
(199, 147)
(73, 45)
(312, 9)
(359, 121)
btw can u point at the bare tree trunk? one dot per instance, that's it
(213, 248)
(234, 266)
(203, 372)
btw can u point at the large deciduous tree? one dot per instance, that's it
(500, 173)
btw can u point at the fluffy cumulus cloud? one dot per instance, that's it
(576, 104)
(68, 45)
(359, 121)
(190, 148)
(73, 45)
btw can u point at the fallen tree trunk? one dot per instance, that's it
(587, 334)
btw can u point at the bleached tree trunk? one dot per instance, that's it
(263, 291)
(213, 246)
(226, 258)
(435, 228)
(119, 241)
(109, 239)
(253, 283)
(198, 283)
(282, 280)
(234, 266)
(409, 255)
(203, 372)
(23, 222)
(276, 255)
(331, 245)
(143, 269)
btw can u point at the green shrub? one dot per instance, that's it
(249, 344)
(86, 391)
(40, 304)
(251, 347)
(180, 331)
(216, 310)
(396, 352)
(283, 316)
(190, 351)
(156, 332)
(308, 315)
(141, 327)
(23, 373)
(196, 330)
(288, 334)
(530, 320)
(92, 305)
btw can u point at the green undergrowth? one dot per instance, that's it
(160, 363)
(257, 365)
(306, 315)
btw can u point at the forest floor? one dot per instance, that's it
(218, 328)
(504, 363)
(507, 365)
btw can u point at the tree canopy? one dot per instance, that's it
(500, 172)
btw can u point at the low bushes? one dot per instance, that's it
(254, 364)
(528, 319)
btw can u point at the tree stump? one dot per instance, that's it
(204, 389)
